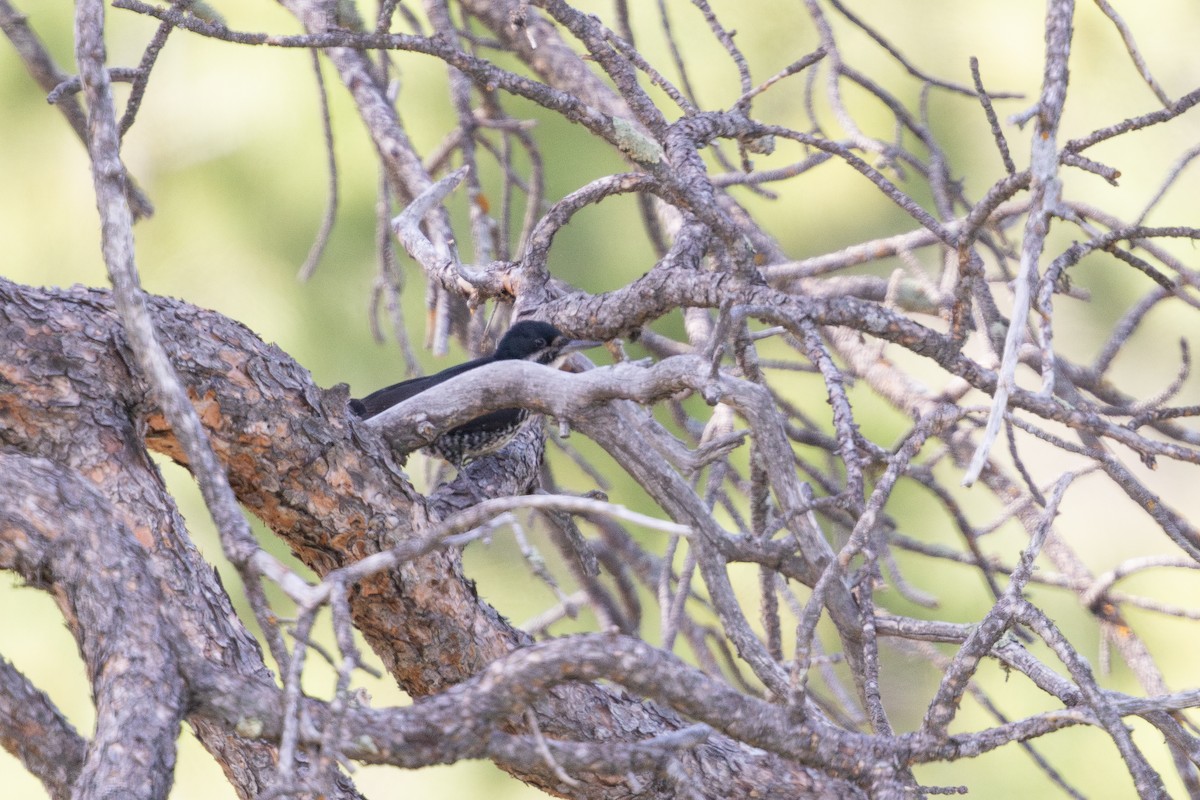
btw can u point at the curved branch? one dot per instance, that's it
(56, 528)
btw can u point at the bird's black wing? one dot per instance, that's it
(379, 401)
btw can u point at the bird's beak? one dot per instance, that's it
(573, 346)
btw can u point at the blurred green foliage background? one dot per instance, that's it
(228, 147)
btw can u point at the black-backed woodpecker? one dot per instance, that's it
(540, 342)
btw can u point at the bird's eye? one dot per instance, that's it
(540, 343)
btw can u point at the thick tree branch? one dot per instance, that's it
(65, 533)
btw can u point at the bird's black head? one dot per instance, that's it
(536, 341)
(526, 339)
